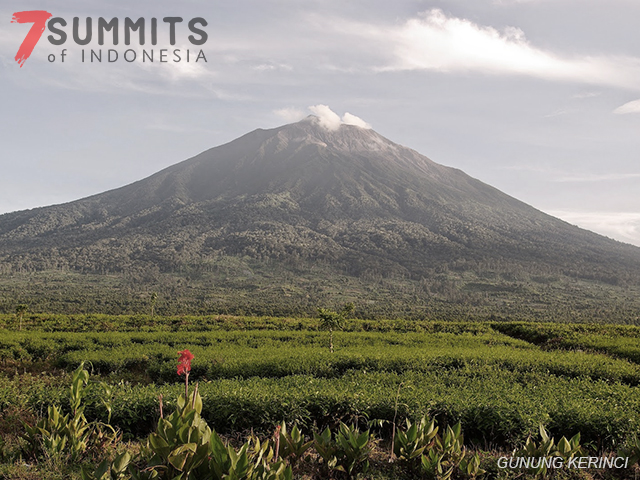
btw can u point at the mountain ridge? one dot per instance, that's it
(301, 195)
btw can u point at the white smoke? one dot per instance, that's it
(328, 118)
(349, 119)
(332, 121)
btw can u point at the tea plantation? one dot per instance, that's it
(501, 381)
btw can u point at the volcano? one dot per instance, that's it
(346, 202)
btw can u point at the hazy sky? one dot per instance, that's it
(539, 98)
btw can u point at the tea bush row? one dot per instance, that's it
(42, 322)
(617, 340)
(499, 408)
(279, 354)
(214, 363)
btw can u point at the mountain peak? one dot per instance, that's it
(332, 123)
(344, 137)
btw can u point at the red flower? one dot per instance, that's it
(184, 362)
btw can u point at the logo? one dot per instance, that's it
(146, 31)
(39, 19)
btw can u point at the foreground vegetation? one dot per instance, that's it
(500, 381)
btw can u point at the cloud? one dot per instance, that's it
(332, 121)
(437, 42)
(189, 79)
(240, 57)
(596, 177)
(630, 107)
(581, 96)
(623, 226)
(349, 119)
(269, 67)
(559, 176)
(557, 113)
(290, 114)
(328, 118)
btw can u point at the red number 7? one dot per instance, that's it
(39, 19)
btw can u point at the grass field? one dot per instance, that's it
(501, 381)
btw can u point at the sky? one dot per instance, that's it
(539, 98)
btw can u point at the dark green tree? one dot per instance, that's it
(20, 311)
(154, 299)
(331, 320)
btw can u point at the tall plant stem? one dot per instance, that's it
(395, 414)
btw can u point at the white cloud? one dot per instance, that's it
(432, 41)
(595, 177)
(630, 107)
(269, 67)
(581, 96)
(438, 42)
(623, 226)
(290, 114)
(563, 176)
(557, 113)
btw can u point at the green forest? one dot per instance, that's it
(245, 287)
